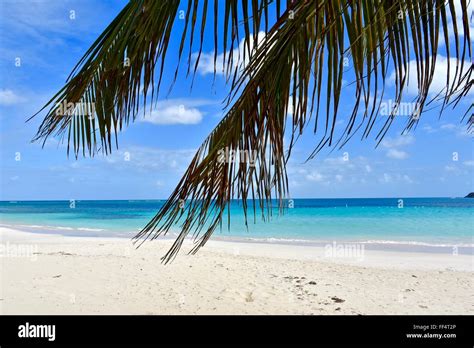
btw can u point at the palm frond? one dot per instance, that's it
(304, 51)
(110, 78)
(106, 89)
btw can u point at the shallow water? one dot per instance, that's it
(428, 222)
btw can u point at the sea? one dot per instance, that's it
(406, 224)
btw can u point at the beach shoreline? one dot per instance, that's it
(54, 274)
(374, 245)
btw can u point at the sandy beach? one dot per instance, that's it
(53, 274)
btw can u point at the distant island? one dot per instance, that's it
(470, 195)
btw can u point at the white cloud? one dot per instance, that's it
(330, 171)
(239, 55)
(178, 114)
(396, 154)
(138, 158)
(440, 75)
(399, 141)
(407, 179)
(155, 159)
(450, 168)
(448, 126)
(459, 19)
(386, 178)
(315, 176)
(428, 129)
(177, 111)
(339, 161)
(393, 144)
(469, 163)
(8, 97)
(394, 178)
(460, 130)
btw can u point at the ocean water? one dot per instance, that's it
(429, 222)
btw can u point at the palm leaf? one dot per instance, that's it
(296, 55)
(298, 66)
(116, 75)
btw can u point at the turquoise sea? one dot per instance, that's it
(422, 222)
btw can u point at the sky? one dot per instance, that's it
(42, 40)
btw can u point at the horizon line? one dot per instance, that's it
(234, 199)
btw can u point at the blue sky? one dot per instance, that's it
(434, 160)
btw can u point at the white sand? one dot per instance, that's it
(50, 274)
